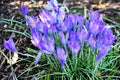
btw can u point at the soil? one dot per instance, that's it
(12, 9)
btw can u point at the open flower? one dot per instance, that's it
(61, 13)
(46, 18)
(10, 45)
(32, 21)
(96, 27)
(47, 45)
(62, 27)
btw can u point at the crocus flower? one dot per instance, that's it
(24, 10)
(32, 21)
(73, 43)
(102, 52)
(92, 42)
(10, 45)
(93, 27)
(80, 22)
(94, 15)
(52, 4)
(61, 55)
(71, 28)
(100, 41)
(47, 45)
(40, 27)
(68, 24)
(82, 35)
(74, 46)
(63, 37)
(73, 36)
(52, 29)
(62, 27)
(72, 19)
(96, 27)
(61, 13)
(107, 40)
(36, 37)
(46, 18)
(45, 30)
(108, 37)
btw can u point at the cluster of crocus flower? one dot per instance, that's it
(73, 31)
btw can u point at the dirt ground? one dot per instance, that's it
(12, 9)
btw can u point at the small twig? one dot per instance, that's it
(2, 63)
(16, 68)
(112, 5)
(110, 20)
(28, 55)
(4, 54)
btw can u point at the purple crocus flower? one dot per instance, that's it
(62, 27)
(73, 35)
(107, 40)
(108, 37)
(92, 42)
(24, 10)
(47, 45)
(93, 27)
(61, 13)
(52, 29)
(52, 4)
(72, 19)
(40, 27)
(69, 25)
(63, 37)
(96, 27)
(32, 21)
(36, 37)
(74, 46)
(100, 41)
(102, 52)
(10, 45)
(94, 15)
(73, 43)
(46, 18)
(61, 55)
(82, 35)
(80, 22)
